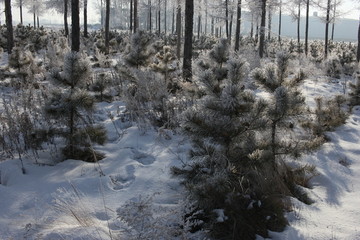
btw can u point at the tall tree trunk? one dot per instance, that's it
(159, 18)
(230, 26)
(298, 26)
(262, 29)
(227, 18)
(38, 21)
(358, 44)
(238, 26)
(212, 26)
(269, 23)
(199, 26)
(327, 28)
(280, 18)
(75, 29)
(66, 26)
(307, 27)
(131, 15)
(189, 23)
(178, 30)
(34, 16)
(136, 19)
(333, 22)
(252, 26)
(85, 19)
(165, 8)
(107, 27)
(150, 16)
(173, 21)
(9, 26)
(21, 15)
(206, 18)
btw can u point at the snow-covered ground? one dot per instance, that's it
(78, 200)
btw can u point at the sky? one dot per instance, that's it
(349, 9)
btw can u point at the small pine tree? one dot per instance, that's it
(69, 105)
(164, 63)
(228, 175)
(139, 52)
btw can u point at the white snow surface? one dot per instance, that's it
(73, 200)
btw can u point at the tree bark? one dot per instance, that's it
(269, 23)
(298, 26)
(150, 16)
(333, 22)
(38, 21)
(131, 15)
(262, 28)
(21, 15)
(66, 26)
(75, 22)
(189, 24)
(199, 26)
(34, 16)
(358, 45)
(9, 26)
(136, 19)
(85, 19)
(173, 21)
(165, 8)
(280, 16)
(178, 30)
(238, 26)
(227, 18)
(107, 27)
(327, 28)
(159, 19)
(307, 27)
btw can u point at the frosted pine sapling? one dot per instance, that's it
(70, 105)
(139, 52)
(163, 61)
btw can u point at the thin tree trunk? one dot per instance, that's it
(75, 29)
(150, 16)
(9, 26)
(21, 15)
(173, 21)
(34, 16)
(189, 23)
(333, 22)
(227, 18)
(280, 16)
(178, 30)
(307, 27)
(199, 26)
(212, 26)
(85, 19)
(269, 23)
(298, 26)
(107, 27)
(262, 29)
(136, 19)
(159, 19)
(327, 28)
(206, 19)
(358, 45)
(230, 26)
(238, 26)
(252, 26)
(66, 26)
(131, 15)
(38, 21)
(165, 8)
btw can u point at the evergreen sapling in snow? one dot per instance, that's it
(70, 104)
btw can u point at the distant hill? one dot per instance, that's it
(345, 29)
